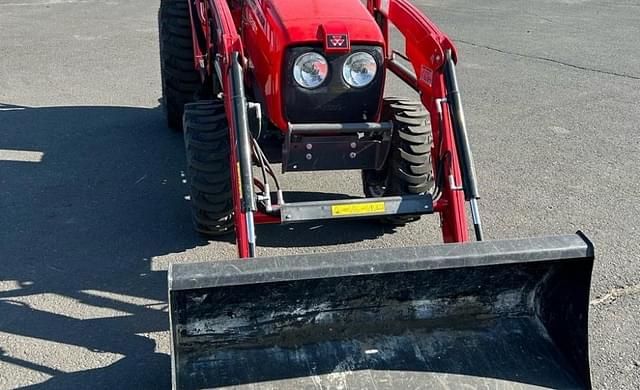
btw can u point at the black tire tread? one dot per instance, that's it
(408, 169)
(180, 81)
(206, 137)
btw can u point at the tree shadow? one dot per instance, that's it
(82, 222)
(88, 196)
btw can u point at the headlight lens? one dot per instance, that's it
(310, 70)
(359, 70)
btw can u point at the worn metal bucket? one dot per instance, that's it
(494, 314)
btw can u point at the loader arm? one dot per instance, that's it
(426, 49)
(226, 68)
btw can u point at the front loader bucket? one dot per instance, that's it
(493, 314)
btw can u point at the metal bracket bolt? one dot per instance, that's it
(452, 184)
(439, 104)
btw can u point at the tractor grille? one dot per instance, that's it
(334, 101)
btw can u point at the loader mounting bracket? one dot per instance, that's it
(336, 146)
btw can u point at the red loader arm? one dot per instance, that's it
(426, 48)
(223, 35)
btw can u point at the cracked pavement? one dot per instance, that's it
(92, 207)
(503, 51)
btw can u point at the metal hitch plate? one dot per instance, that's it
(356, 208)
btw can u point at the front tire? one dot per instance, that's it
(408, 169)
(206, 139)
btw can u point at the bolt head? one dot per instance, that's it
(352, 154)
(353, 145)
(309, 146)
(308, 156)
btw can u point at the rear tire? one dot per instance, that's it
(408, 168)
(180, 80)
(206, 139)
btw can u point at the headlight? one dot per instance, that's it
(310, 70)
(359, 70)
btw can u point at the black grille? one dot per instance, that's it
(334, 101)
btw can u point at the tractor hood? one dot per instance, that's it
(308, 21)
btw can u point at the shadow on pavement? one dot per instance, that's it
(317, 233)
(88, 195)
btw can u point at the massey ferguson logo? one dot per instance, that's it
(336, 41)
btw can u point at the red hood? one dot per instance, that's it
(301, 20)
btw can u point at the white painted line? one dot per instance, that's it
(20, 155)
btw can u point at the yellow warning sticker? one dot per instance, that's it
(356, 209)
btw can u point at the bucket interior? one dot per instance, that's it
(523, 323)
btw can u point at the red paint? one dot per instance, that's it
(195, 14)
(425, 47)
(273, 25)
(452, 217)
(262, 218)
(227, 43)
(270, 26)
(335, 37)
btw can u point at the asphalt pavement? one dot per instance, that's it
(92, 193)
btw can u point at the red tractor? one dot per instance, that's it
(257, 82)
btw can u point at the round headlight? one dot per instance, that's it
(310, 70)
(359, 69)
